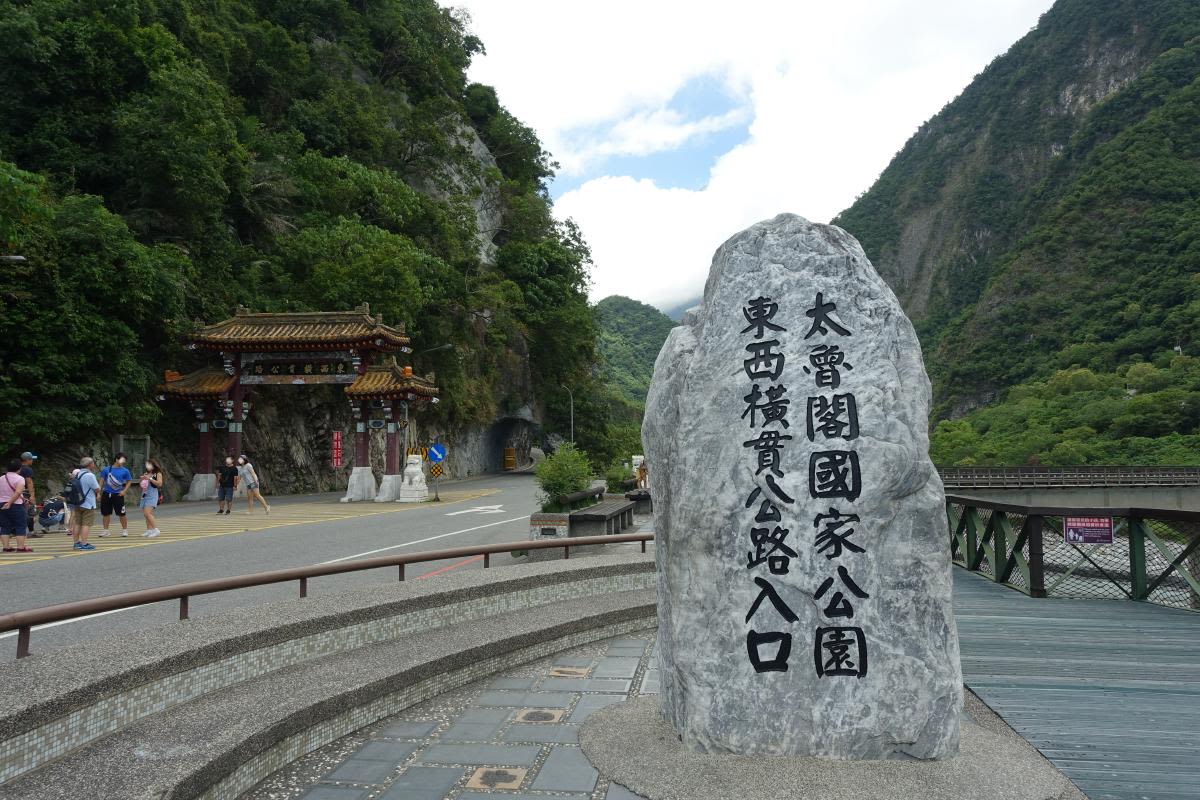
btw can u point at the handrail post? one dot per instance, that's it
(1140, 587)
(23, 641)
(183, 607)
(487, 560)
(566, 551)
(401, 571)
(643, 545)
(1037, 557)
(304, 587)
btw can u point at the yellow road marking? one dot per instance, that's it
(201, 525)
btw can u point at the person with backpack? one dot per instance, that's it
(114, 482)
(151, 483)
(13, 515)
(82, 496)
(53, 514)
(27, 459)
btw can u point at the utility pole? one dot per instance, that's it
(572, 395)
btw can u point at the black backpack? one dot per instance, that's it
(73, 489)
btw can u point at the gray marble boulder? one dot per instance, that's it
(804, 594)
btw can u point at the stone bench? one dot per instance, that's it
(208, 707)
(604, 518)
(641, 500)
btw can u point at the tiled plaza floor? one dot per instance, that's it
(514, 736)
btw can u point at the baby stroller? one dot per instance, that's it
(53, 513)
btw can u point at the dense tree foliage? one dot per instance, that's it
(1059, 197)
(162, 161)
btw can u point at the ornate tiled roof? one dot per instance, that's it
(203, 384)
(391, 381)
(317, 330)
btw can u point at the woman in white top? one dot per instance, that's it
(250, 478)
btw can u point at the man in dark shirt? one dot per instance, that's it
(227, 478)
(27, 459)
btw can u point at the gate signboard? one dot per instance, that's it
(1088, 530)
(337, 448)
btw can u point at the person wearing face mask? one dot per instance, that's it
(114, 483)
(227, 478)
(250, 478)
(151, 483)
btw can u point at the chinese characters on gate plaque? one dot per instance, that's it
(839, 647)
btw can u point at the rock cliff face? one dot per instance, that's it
(958, 204)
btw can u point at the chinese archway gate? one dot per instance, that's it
(352, 348)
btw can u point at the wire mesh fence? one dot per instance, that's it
(1151, 555)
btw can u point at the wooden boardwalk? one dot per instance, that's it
(1108, 690)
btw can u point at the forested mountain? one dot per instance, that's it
(1043, 231)
(164, 161)
(631, 334)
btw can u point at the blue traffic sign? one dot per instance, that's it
(437, 453)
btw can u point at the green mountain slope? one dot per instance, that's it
(163, 162)
(631, 334)
(1046, 222)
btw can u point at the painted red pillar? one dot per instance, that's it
(393, 447)
(362, 441)
(235, 426)
(204, 458)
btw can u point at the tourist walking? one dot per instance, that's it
(151, 483)
(227, 478)
(12, 509)
(27, 459)
(83, 497)
(114, 483)
(250, 478)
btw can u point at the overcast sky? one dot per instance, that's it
(677, 124)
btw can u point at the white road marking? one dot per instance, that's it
(498, 509)
(66, 621)
(334, 561)
(422, 541)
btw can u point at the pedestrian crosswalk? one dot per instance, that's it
(184, 525)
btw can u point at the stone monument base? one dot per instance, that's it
(361, 486)
(633, 745)
(389, 489)
(203, 487)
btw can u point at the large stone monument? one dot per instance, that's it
(804, 594)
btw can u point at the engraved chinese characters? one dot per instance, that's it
(838, 650)
(804, 578)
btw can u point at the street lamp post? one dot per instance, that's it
(572, 395)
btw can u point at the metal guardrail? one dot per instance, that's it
(24, 621)
(1154, 555)
(1039, 476)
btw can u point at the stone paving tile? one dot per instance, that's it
(585, 685)
(497, 754)
(333, 793)
(616, 667)
(627, 652)
(408, 730)
(513, 684)
(592, 703)
(651, 682)
(561, 734)
(469, 795)
(361, 770)
(618, 792)
(572, 661)
(423, 783)
(525, 699)
(568, 770)
(394, 753)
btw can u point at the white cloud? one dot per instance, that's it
(832, 92)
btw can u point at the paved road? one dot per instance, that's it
(300, 531)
